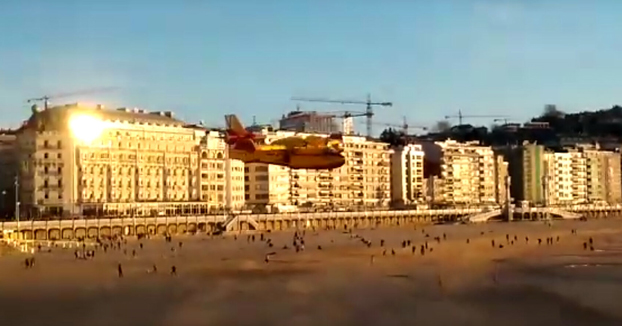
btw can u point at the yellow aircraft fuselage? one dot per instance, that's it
(304, 158)
(311, 152)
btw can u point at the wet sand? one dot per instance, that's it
(222, 281)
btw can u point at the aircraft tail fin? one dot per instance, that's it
(234, 126)
(237, 135)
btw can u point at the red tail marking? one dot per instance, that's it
(245, 145)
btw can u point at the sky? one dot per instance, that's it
(202, 59)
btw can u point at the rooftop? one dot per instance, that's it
(55, 118)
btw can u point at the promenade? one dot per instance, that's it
(68, 229)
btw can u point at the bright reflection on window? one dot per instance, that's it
(86, 128)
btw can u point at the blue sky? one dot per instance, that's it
(202, 59)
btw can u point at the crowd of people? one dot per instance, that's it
(118, 243)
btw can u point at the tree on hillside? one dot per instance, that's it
(550, 110)
(442, 126)
(394, 137)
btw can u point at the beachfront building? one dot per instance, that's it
(582, 174)
(407, 184)
(527, 168)
(363, 182)
(82, 160)
(468, 173)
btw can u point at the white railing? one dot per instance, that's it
(137, 221)
(211, 219)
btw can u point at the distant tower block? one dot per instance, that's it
(348, 126)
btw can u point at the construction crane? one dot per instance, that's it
(369, 113)
(404, 126)
(460, 116)
(505, 121)
(46, 98)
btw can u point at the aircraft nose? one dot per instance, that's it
(339, 161)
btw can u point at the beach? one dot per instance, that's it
(338, 279)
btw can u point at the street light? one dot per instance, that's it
(17, 205)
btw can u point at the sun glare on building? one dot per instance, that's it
(86, 128)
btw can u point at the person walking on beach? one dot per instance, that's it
(120, 270)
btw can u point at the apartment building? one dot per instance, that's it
(527, 168)
(214, 174)
(599, 174)
(502, 177)
(267, 185)
(558, 178)
(577, 175)
(469, 173)
(364, 181)
(309, 122)
(611, 173)
(79, 159)
(366, 173)
(9, 163)
(407, 184)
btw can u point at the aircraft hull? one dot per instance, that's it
(292, 160)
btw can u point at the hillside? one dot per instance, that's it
(588, 126)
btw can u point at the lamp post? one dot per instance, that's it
(508, 198)
(17, 205)
(228, 187)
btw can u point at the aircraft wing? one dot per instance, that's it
(316, 141)
(290, 142)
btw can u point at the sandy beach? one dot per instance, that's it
(460, 280)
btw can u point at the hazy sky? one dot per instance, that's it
(202, 59)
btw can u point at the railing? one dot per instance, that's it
(123, 221)
(128, 221)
